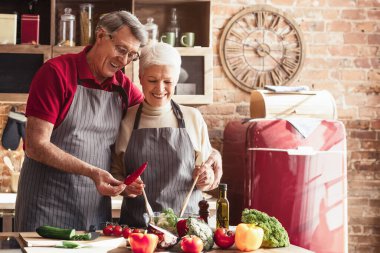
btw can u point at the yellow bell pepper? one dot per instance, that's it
(248, 237)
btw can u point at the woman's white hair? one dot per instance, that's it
(160, 53)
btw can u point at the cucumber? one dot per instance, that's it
(55, 233)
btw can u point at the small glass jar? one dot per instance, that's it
(67, 29)
(152, 29)
(86, 11)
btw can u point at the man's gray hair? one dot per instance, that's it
(113, 21)
(160, 53)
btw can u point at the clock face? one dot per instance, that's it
(261, 46)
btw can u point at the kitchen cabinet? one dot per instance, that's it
(193, 16)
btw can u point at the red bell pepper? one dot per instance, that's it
(132, 177)
(143, 243)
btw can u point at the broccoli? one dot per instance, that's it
(275, 235)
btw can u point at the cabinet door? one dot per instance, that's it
(195, 85)
(18, 64)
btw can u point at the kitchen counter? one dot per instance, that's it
(120, 247)
(8, 202)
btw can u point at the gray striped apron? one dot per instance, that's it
(47, 196)
(168, 177)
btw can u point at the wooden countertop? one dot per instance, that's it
(118, 245)
(8, 201)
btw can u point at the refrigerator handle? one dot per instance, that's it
(302, 150)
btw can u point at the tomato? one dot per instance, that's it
(136, 230)
(182, 228)
(224, 238)
(108, 230)
(126, 232)
(191, 244)
(117, 230)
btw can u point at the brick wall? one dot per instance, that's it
(343, 56)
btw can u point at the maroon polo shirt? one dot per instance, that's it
(54, 85)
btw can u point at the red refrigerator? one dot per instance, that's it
(294, 170)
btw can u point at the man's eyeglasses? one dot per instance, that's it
(124, 52)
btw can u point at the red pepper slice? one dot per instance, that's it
(132, 177)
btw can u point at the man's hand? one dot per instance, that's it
(106, 184)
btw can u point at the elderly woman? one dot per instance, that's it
(172, 138)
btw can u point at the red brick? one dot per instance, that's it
(340, 3)
(218, 109)
(344, 51)
(355, 38)
(283, 2)
(373, 14)
(365, 26)
(363, 63)
(374, 39)
(358, 124)
(374, 75)
(358, 202)
(313, 26)
(375, 124)
(363, 135)
(330, 14)
(368, 3)
(356, 14)
(368, 112)
(375, 62)
(374, 202)
(353, 75)
(339, 26)
(355, 229)
(365, 155)
(370, 145)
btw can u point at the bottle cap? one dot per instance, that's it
(223, 187)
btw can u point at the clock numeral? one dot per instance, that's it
(235, 65)
(289, 66)
(237, 35)
(292, 51)
(275, 23)
(290, 33)
(233, 49)
(262, 80)
(260, 19)
(246, 76)
(277, 76)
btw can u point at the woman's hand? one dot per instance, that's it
(134, 189)
(206, 177)
(215, 162)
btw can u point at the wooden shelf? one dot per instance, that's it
(194, 16)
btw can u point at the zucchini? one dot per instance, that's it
(55, 233)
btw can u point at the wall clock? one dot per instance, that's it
(260, 46)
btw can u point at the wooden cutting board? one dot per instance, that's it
(35, 243)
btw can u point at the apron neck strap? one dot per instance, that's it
(177, 112)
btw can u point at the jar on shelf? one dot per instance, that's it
(152, 29)
(174, 25)
(86, 12)
(67, 29)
